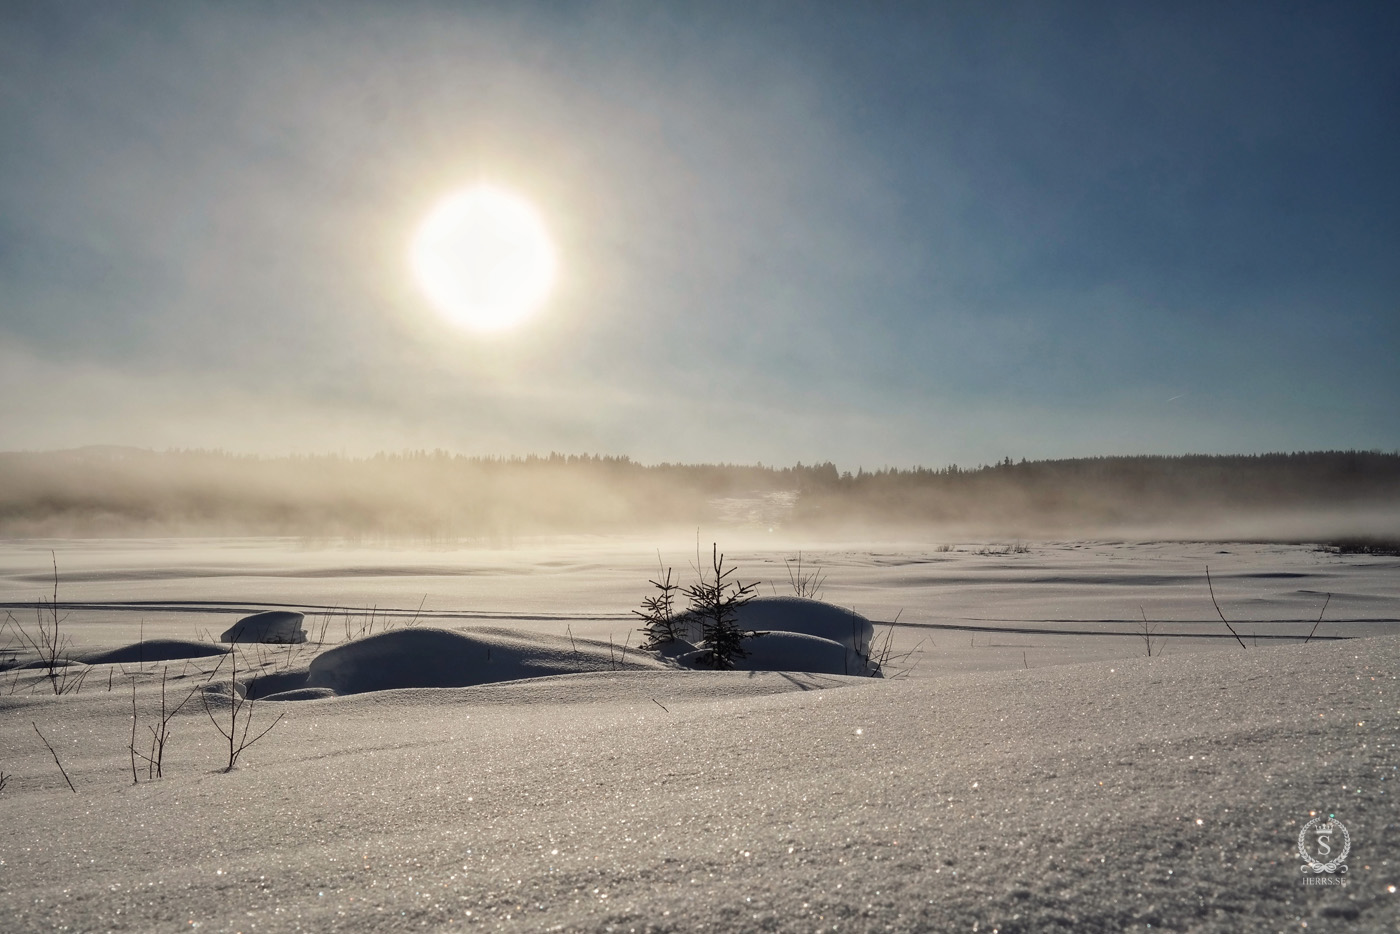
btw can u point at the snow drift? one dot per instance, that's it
(424, 658)
(279, 626)
(798, 634)
(151, 650)
(795, 651)
(795, 614)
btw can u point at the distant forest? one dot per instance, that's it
(1331, 493)
(437, 495)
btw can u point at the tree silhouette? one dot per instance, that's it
(715, 601)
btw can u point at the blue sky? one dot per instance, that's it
(880, 234)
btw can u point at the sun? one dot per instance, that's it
(483, 258)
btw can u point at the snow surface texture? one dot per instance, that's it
(1093, 798)
(1110, 795)
(277, 626)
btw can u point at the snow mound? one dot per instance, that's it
(302, 694)
(221, 692)
(634, 689)
(280, 626)
(796, 651)
(429, 658)
(153, 650)
(278, 682)
(40, 663)
(796, 615)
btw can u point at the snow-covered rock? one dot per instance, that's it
(280, 626)
(425, 658)
(302, 694)
(790, 651)
(153, 650)
(796, 651)
(799, 615)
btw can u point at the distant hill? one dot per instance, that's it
(436, 495)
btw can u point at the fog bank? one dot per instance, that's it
(440, 496)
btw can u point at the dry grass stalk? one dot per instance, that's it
(880, 658)
(805, 583)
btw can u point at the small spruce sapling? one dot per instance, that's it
(716, 602)
(658, 612)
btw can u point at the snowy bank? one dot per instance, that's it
(441, 658)
(795, 614)
(1128, 795)
(277, 626)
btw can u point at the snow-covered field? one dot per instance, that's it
(1026, 768)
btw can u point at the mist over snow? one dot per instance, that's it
(436, 496)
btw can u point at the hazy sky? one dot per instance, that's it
(881, 234)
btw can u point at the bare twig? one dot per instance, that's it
(220, 663)
(48, 642)
(653, 700)
(132, 745)
(238, 707)
(1319, 618)
(159, 735)
(1222, 615)
(55, 757)
(1147, 631)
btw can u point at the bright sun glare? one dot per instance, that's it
(483, 258)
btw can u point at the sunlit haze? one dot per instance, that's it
(910, 234)
(484, 259)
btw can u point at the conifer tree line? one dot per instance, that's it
(435, 494)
